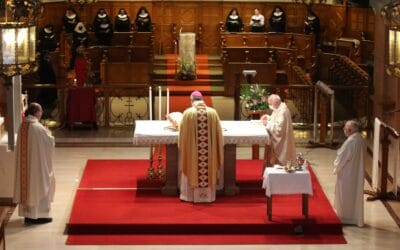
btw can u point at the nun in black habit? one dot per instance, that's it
(122, 21)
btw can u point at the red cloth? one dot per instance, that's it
(81, 105)
(80, 70)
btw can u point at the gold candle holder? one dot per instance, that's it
(151, 174)
(160, 170)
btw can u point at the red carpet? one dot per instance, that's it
(180, 103)
(130, 215)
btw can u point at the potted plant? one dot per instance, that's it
(187, 71)
(254, 98)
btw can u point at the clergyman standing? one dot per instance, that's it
(349, 168)
(34, 180)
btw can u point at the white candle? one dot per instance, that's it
(159, 102)
(167, 100)
(150, 105)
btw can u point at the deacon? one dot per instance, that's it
(201, 151)
(34, 179)
(349, 168)
(280, 129)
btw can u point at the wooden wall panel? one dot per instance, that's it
(360, 20)
(335, 21)
(210, 18)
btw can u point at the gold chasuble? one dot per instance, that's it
(201, 153)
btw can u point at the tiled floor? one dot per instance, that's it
(380, 231)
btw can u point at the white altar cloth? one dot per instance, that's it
(277, 181)
(235, 132)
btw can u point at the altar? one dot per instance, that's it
(235, 132)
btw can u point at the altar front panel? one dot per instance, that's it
(234, 132)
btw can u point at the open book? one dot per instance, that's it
(174, 118)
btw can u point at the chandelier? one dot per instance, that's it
(390, 14)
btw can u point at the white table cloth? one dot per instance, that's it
(277, 181)
(235, 132)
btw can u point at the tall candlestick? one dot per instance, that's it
(159, 102)
(167, 100)
(150, 105)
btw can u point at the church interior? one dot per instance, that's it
(99, 67)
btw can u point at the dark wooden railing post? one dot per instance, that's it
(237, 96)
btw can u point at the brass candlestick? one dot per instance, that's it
(160, 170)
(151, 174)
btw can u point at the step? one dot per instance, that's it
(171, 74)
(199, 59)
(201, 56)
(198, 82)
(205, 90)
(212, 66)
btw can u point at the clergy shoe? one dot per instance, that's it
(37, 221)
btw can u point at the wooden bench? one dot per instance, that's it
(303, 44)
(284, 58)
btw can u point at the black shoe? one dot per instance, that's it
(37, 221)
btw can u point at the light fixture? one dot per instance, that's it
(17, 55)
(390, 14)
(81, 3)
(18, 48)
(18, 38)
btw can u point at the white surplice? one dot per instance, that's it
(34, 180)
(280, 128)
(349, 191)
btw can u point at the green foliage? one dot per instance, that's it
(187, 71)
(254, 97)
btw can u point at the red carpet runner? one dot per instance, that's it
(115, 205)
(180, 103)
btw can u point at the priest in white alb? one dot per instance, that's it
(349, 168)
(280, 128)
(34, 180)
(201, 151)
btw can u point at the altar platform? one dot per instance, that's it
(115, 204)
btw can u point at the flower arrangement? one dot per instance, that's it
(254, 97)
(187, 71)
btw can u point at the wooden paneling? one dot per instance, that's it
(335, 21)
(266, 74)
(360, 20)
(125, 73)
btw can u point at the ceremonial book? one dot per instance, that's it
(175, 119)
